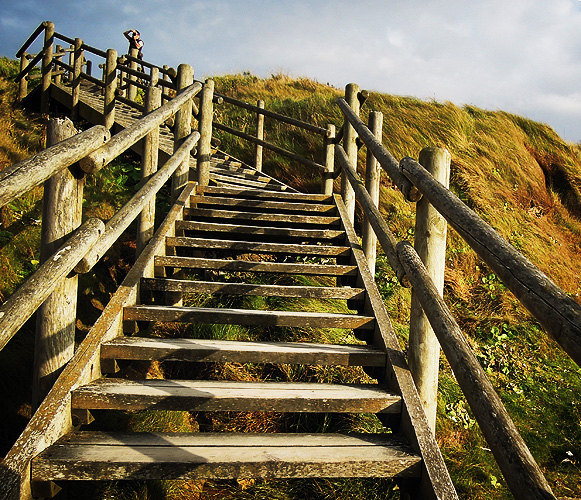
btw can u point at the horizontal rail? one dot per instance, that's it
(559, 314)
(93, 80)
(22, 177)
(37, 58)
(130, 103)
(34, 291)
(84, 46)
(268, 145)
(31, 38)
(64, 38)
(124, 217)
(383, 156)
(62, 64)
(129, 136)
(518, 466)
(133, 72)
(147, 64)
(382, 231)
(271, 114)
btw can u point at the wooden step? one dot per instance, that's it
(259, 247)
(227, 395)
(259, 194)
(255, 267)
(140, 456)
(278, 206)
(280, 232)
(196, 213)
(247, 317)
(238, 173)
(243, 182)
(216, 287)
(221, 351)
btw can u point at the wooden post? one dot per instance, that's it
(430, 244)
(328, 176)
(46, 66)
(23, 84)
(71, 52)
(77, 69)
(372, 175)
(182, 128)
(89, 67)
(146, 220)
(154, 77)
(110, 78)
(59, 57)
(350, 147)
(132, 89)
(205, 129)
(56, 318)
(259, 136)
(166, 78)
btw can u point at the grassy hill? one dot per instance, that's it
(517, 174)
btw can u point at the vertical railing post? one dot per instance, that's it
(372, 176)
(132, 89)
(430, 243)
(56, 318)
(89, 67)
(154, 77)
(146, 220)
(58, 57)
(110, 77)
(328, 176)
(166, 78)
(182, 128)
(349, 145)
(259, 136)
(71, 75)
(23, 84)
(77, 69)
(46, 66)
(205, 129)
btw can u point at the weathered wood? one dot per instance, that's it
(222, 351)
(263, 217)
(258, 247)
(110, 80)
(226, 395)
(76, 84)
(559, 314)
(62, 211)
(96, 456)
(235, 180)
(149, 157)
(329, 175)
(259, 136)
(129, 136)
(22, 81)
(124, 217)
(279, 206)
(430, 243)
(384, 157)
(32, 293)
(53, 418)
(436, 481)
(22, 177)
(324, 234)
(132, 89)
(183, 125)
(248, 317)
(46, 65)
(380, 227)
(41, 27)
(350, 148)
(259, 193)
(372, 177)
(518, 466)
(205, 129)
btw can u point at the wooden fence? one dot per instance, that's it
(559, 314)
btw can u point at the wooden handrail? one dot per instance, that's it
(34, 291)
(559, 314)
(31, 38)
(521, 472)
(22, 177)
(37, 58)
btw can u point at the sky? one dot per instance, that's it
(520, 56)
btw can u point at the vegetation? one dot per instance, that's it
(517, 174)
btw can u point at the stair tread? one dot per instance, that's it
(263, 217)
(255, 193)
(295, 206)
(247, 317)
(227, 395)
(111, 456)
(243, 352)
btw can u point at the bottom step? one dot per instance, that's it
(118, 456)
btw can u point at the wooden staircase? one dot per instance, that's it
(237, 243)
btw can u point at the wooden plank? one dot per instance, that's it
(312, 292)
(243, 181)
(259, 247)
(109, 456)
(323, 234)
(254, 193)
(220, 351)
(265, 217)
(247, 317)
(257, 267)
(227, 395)
(279, 206)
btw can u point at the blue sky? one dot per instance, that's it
(522, 56)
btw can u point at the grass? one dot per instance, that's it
(517, 174)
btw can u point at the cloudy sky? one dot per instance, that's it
(522, 56)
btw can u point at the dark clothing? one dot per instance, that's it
(135, 42)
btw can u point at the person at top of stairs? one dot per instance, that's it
(135, 41)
